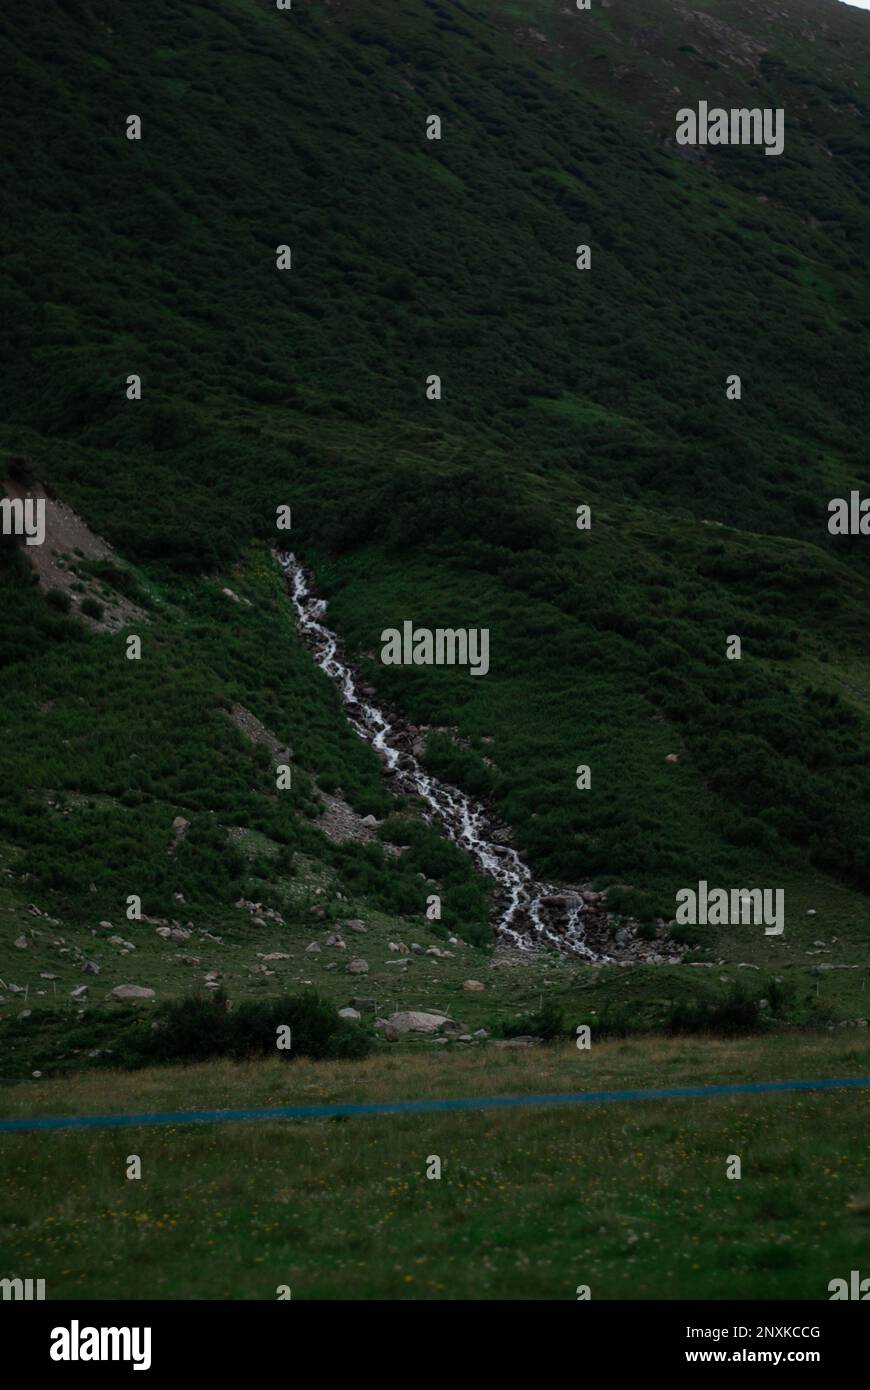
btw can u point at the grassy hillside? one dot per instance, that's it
(560, 387)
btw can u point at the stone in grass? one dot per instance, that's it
(90, 967)
(364, 1004)
(358, 967)
(21, 942)
(132, 992)
(357, 925)
(473, 986)
(313, 947)
(349, 1013)
(413, 1021)
(79, 992)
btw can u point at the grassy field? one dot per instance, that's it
(630, 1199)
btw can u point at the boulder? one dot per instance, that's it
(349, 1013)
(473, 986)
(132, 992)
(358, 967)
(412, 1021)
(90, 967)
(364, 1004)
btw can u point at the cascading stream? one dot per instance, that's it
(465, 821)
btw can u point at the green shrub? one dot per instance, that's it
(58, 599)
(547, 1023)
(738, 1012)
(687, 934)
(200, 1027)
(92, 608)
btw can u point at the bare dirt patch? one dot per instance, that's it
(68, 538)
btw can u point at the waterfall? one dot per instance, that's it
(523, 911)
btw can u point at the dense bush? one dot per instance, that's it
(199, 1027)
(547, 1023)
(738, 1012)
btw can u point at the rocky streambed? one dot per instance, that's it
(529, 912)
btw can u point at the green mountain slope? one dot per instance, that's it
(604, 387)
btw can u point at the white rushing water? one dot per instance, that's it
(524, 915)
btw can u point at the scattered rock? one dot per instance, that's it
(21, 942)
(79, 992)
(517, 1042)
(349, 1013)
(364, 1004)
(414, 1022)
(672, 758)
(358, 967)
(411, 1021)
(313, 947)
(90, 967)
(132, 992)
(473, 986)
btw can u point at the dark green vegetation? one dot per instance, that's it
(307, 388)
